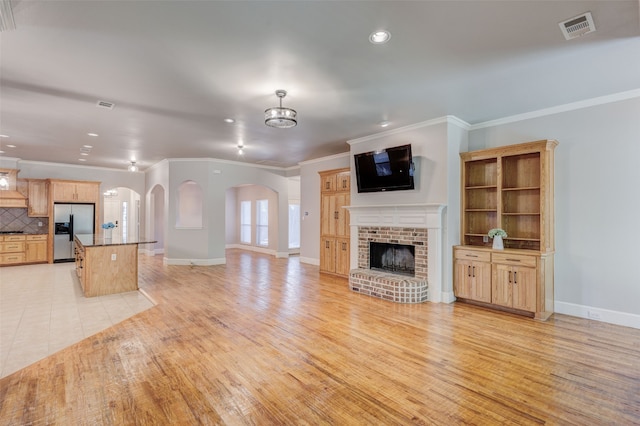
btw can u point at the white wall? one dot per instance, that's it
(596, 204)
(207, 245)
(310, 204)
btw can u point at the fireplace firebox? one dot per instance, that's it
(395, 258)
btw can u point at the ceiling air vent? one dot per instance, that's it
(105, 104)
(578, 26)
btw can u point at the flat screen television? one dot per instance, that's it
(389, 169)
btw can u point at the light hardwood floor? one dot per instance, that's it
(271, 341)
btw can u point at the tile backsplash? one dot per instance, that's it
(15, 219)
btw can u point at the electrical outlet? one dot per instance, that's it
(485, 238)
(39, 223)
(113, 256)
(593, 315)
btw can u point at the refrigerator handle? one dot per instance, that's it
(71, 228)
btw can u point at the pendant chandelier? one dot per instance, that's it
(280, 117)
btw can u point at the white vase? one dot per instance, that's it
(497, 243)
(107, 233)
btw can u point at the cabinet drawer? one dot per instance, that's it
(11, 258)
(514, 259)
(42, 237)
(477, 255)
(10, 247)
(14, 238)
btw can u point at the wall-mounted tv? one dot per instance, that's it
(389, 169)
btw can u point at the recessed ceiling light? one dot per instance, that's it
(379, 37)
(229, 120)
(82, 159)
(4, 136)
(84, 153)
(87, 146)
(384, 124)
(93, 134)
(10, 146)
(1, 152)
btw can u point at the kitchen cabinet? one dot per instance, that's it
(36, 248)
(22, 249)
(74, 191)
(335, 187)
(38, 202)
(12, 249)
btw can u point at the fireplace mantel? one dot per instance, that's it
(429, 216)
(401, 215)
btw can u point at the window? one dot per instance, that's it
(245, 222)
(262, 222)
(294, 226)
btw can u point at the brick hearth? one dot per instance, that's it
(385, 285)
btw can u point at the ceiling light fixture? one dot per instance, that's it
(87, 146)
(379, 37)
(229, 120)
(94, 135)
(133, 167)
(384, 124)
(82, 159)
(4, 136)
(280, 117)
(10, 146)
(240, 149)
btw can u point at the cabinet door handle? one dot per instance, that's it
(335, 215)
(513, 260)
(471, 255)
(326, 244)
(509, 277)
(515, 277)
(468, 271)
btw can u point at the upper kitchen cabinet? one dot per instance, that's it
(71, 191)
(38, 205)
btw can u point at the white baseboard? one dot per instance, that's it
(598, 314)
(194, 262)
(254, 248)
(448, 297)
(282, 254)
(310, 261)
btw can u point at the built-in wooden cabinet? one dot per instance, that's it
(473, 273)
(36, 248)
(38, 202)
(74, 191)
(511, 188)
(21, 248)
(335, 187)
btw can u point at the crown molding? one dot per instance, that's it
(447, 119)
(621, 96)
(323, 159)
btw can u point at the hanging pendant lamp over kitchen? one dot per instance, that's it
(280, 117)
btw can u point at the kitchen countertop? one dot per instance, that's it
(21, 233)
(98, 240)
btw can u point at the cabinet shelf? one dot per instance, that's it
(520, 214)
(521, 239)
(482, 187)
(481, 210)
(523, 188)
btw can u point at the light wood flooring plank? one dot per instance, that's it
(271, 341)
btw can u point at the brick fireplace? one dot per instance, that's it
(414, 228)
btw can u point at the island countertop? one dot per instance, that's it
(98, 240)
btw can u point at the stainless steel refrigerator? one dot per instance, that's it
(70, 219)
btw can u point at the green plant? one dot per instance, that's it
(497, 231)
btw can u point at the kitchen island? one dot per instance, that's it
(107, 265)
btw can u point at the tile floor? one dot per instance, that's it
(42, 310)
